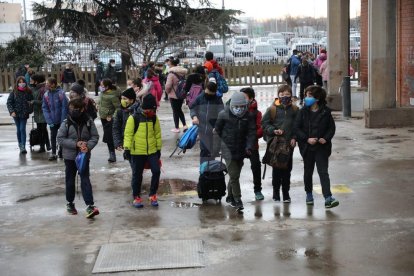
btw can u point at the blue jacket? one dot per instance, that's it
(55, 106)
(294, 65)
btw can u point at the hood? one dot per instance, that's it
(178, 70)
(322, 56)
(131, 109)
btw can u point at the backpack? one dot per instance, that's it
(180, 92)
(222, 86)
(278, 153)
(188, 140)
(195, 90)
(92, 111)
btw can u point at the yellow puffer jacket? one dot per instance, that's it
(147, 139)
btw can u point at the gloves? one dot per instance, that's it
(158, 154)
(127, 155)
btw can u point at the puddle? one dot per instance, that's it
(345, 138)
(176, 186)
(55, 191)
(184, 205)
(289, 253)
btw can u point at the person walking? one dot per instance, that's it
(294, 62)
(68, 77)
(78, 134)
(108, 104)
(314, 128)
(110, 72)
(99, 74)
(306, 74)
(176, 72)
(19, 106)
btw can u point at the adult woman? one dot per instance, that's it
(108, 104)
(174, 73)
(19, 108)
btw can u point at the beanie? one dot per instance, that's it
(208, 65)
(238, 99)
(129, 93)
(77, 88)
(148, 102)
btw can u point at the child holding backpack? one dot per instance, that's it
(142, 144)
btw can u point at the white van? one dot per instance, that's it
(241, 46)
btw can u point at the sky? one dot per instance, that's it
(263, 9)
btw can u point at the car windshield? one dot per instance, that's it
(216, 48)
(241, 41)
(277, 42)
(265, 49)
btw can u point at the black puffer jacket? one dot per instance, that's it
(237, 134)
(18, 102)
(322, 125)
(118, 126)
(206, 110)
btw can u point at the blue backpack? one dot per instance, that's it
(187, 141)
(222, 86)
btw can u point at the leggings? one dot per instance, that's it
(178, 113)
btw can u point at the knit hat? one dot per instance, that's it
(77, 88)
(238, 99)
(208, 65)
(129, 93)
(148, 102)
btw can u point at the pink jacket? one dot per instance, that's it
(323, 70)
(172, 80)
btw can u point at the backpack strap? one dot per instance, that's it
(273, 112)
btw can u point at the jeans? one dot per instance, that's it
(70, 177)
(234, 168)
(281, 177)
(44, 139)
(53, 134)
(256, 167)
(321, 158)
(107, 136)
(294, 85)
(138, 164)
(178, 114)
(21, 130)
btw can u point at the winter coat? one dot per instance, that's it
(99, 71)
(306, 74)
(156, 89)
(294, 65)
(18, 102)
(207, 111)
(172, 80)
(108, 103)
(323, 70)
(55, 106)
(318, 62)
(322, 124)
(284, 120)
(110, 73)
(38, 92)
(257, 117)
(217, 66)
(68, 76)
(146, 140)
(70, 132)
(120, 120)
(194, 78)
(237, 134)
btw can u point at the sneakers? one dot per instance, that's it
(237, 203)
(309, 199)
(53, 157)
(286, 198)
(70, 207)
(331, 202)
(154, 200)
(137, 203)
(112, 157)
(175, 130)
(259, 196)
(229, 199)
(91, 211)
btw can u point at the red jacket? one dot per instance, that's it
(156, 89)
(258, 118)
(217, 66)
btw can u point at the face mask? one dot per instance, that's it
(113, 64)
(238, 110)
(102, 89)
(309, 101)
(21, 86)
(149, 113)
(75, 113)
(124, 103)
(286, 100)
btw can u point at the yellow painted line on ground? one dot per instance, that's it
(335, 189)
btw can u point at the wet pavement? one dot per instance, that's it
(370, 232)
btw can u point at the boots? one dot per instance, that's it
(112, 157)
(22, 149)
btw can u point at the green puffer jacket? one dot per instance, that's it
(147, 139)
(108, 103)
(38, 92)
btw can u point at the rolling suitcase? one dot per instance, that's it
(212, 182)
(35, 136)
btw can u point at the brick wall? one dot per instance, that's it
(364, 44)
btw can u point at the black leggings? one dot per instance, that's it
(107, 136)
(178, 113)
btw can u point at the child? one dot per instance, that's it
(278, 121)
(142, 143)
(315, 127)
(255, 157)
(78, 133)
(237, 131)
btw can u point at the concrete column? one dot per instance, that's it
(338, 48)
(382, 54)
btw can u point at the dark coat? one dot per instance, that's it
(306, 74)
(110, 73)
(120, 120)
(237, 134)
(284, 119)
(207, 111)
(323, 124)
(38, 92)
(18, 102)
(99, 71)
(68, 76)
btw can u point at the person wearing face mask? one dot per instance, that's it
(110, 72)
(78, 91)
(55, 109)
(142, 143)
(204, 113)
(19, 106)
(77, 134)
(237, 131)
(128, 106)
(315, 127)
(278, 122)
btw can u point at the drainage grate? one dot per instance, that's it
(147, 255)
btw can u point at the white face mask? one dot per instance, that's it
(22, 85)
(113, 64)
(238, 111)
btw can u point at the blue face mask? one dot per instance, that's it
(309, 101)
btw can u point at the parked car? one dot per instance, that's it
(217, 50)
(280, 46)
(264, 52)
(241, 46)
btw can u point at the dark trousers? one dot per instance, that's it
(107, 136)
(256, 167)
(70, 178)
(178, 114)
(281, 177)
(20, 130)
(97, 84)
(53, 134)
(318, 80)
(321, 158)
(44, 138)
(138, 164)
(303, 86)
(206, 147)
